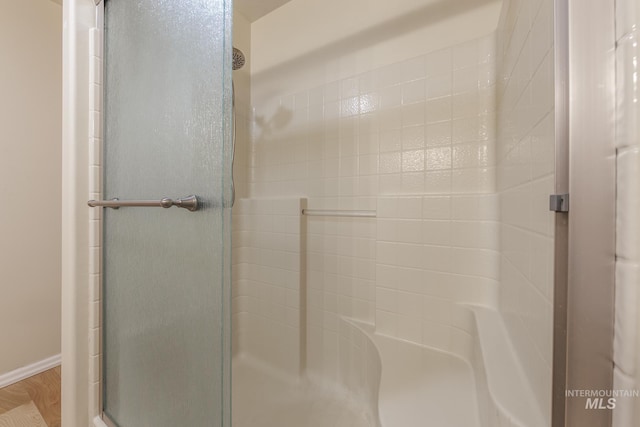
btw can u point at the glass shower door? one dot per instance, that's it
(167, 103)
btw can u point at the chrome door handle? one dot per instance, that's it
(189, 203)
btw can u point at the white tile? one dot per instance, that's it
(487, 77)
(624, 414)
(409, 280)
(391, 96)
(436, 232)
(409, 255)
(390, 184)
(437, 310)
(414, 91)
(436, 258)
(542, 32)
(436, 207)
(408, 231)
(387, 253)
(466, 130)
(387, 275)
(390, 162)
(389, 75)
(472, 180)
(367, 82)
(626, 316)
(390, 118)
(390, 140)
(439, 85)
(412, 182)
(541, 217)
(413, 137)
(439, 109)
(386, 323)
(409, 328)
(438, 158)
(438, 182)
(409, 207)
(628, 205)
(475, 234)
(465, 207)
(465, 104)
(414, 68)
(413, 114)
(96, 42)
(476, 262)
(410, 304)
(349, 88)
(413, 161)
(439, 134)
(627, 17)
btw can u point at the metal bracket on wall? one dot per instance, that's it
(559, 203)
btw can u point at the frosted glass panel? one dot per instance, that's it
(166, 280)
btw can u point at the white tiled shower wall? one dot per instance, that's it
(421, 134)
(268, 294)
(340, 280)
(434, 252)
(627, 319)
(425, 125)
(525, 166)
(95, 220)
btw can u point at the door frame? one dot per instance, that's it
(80, 255)
(585, 236)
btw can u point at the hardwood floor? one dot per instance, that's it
(42, 389)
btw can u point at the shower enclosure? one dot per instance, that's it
(390, 257)
(164, 277)
(161, 197)
(417, 284)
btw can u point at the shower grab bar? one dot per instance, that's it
(189, 203)
(343, 213)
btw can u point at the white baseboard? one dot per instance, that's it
(29, 371)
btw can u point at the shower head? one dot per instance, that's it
(238, 59)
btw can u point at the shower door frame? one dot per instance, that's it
(83, 29)
(584, 282)
(561, 226)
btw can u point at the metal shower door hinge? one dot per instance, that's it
(559, 203)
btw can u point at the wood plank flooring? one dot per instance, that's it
(26, 415)
(42, 389)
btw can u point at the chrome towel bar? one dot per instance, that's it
(189, 203)
(343, 213)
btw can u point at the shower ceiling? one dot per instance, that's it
(255, 9)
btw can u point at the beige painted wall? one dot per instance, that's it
(30, 181)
